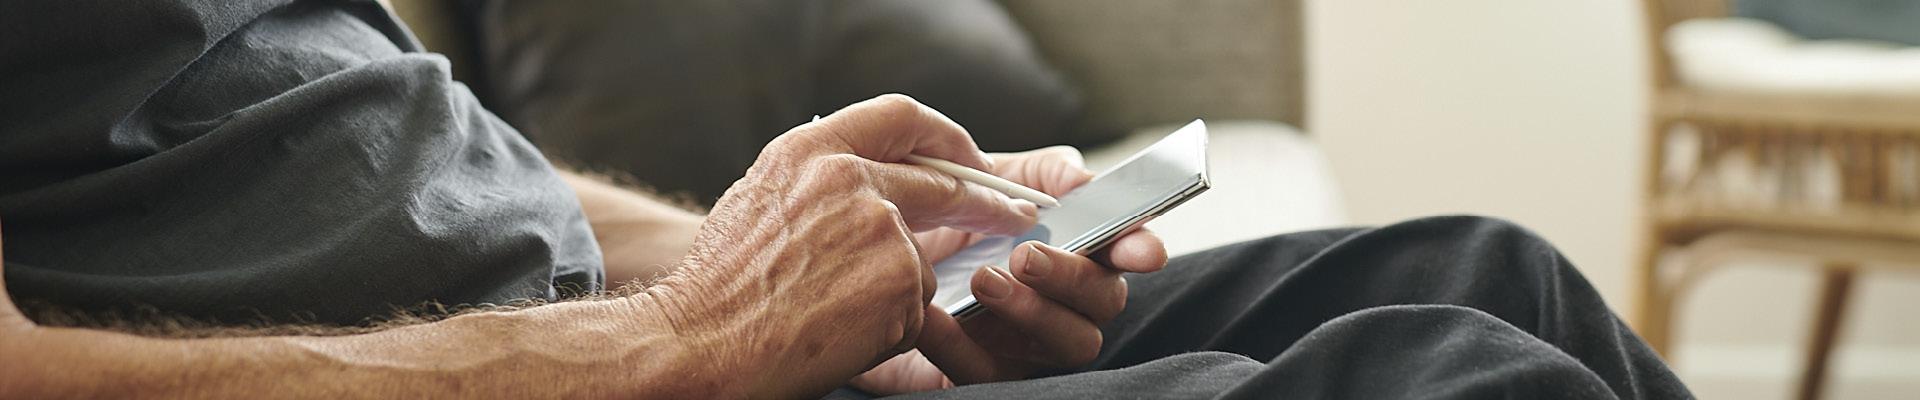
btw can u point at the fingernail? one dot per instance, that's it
(1038, 264)
(997, 284)
(1024, 207)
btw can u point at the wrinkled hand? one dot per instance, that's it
(1046, 313)
(806, 272)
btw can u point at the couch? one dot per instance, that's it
(1146, 67)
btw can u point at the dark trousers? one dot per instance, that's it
(1445, 307)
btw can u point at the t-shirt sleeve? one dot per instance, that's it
(269, 162)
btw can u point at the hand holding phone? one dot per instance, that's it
(1115, 202)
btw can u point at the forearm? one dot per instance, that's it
(640, 237)
(612, 348)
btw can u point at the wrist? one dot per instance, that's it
(702, 361)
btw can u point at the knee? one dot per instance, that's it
(1473, 231)
(1487, 242)
(1455, 347)
(1476, 226)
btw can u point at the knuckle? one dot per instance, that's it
(1116, 302)
(897, 109)
(836, 173)
(880, 225)
(1084, 354)
(1062, 151)
(1075, 270)
(953, 193)
(896, 103)
(878, 209)
(1087, 355)
(839, 165)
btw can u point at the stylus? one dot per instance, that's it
(983, 179)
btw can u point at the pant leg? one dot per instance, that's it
(1260, 298)
(1434, 352)
(1421, 351)
(1445, 307)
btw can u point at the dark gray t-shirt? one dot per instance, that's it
(266, 160)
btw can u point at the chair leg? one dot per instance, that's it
(1653, 314)
(1835, 283)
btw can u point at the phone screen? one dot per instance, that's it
(1152, 181)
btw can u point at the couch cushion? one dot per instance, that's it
(651, 87)
(1146, 62)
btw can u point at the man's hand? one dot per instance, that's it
(1045, 314)
(807, 272)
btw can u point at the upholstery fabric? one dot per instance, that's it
(682, 95)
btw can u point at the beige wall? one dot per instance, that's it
(1527, 110)
(1532, 111)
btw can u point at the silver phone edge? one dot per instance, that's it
(970, 307)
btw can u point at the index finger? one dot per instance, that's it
(889, 127)
(1054, 170)
(930, 199)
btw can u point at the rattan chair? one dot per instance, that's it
(1869, 226)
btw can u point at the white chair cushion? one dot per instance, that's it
(1747, 55)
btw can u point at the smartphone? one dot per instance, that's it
(1117, 201)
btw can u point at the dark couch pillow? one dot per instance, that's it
(682, 94)
(1895, 21)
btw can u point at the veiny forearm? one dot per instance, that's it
(640, 237)
(610, 348)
